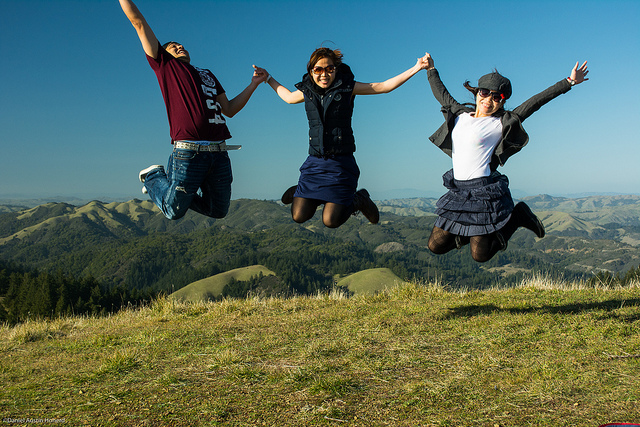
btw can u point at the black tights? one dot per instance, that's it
(333, 214)
(483, 248)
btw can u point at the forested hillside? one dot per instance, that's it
(131, 246)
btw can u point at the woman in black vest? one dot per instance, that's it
(478, 208)
(330, 174)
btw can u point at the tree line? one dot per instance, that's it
(36, 294)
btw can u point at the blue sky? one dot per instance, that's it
(81, 112)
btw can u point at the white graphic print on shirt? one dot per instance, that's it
(209, 89)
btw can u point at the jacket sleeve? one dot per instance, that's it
(534, 103)
(440, 92)
(450, 108)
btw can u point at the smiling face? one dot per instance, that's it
(178, 51)
(487, 105)
(327, 72)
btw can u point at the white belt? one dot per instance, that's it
(212, 146)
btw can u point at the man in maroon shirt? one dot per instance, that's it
(198, 174)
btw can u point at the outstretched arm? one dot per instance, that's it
(533, 104)
(231, 107)
(147, 38)
(285, 94)
(392, 83)
(438, 88)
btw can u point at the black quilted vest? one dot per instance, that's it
(329, 113)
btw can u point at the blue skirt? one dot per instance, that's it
(333, 179)
(475, 207)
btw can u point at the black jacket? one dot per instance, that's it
(329, 112)
(514, 137)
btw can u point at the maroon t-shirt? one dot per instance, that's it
(190, 97)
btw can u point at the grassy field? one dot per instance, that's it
(542, 354)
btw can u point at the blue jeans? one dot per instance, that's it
(200, 181)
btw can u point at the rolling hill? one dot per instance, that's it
(211, 287)
(370, 281)
(131, 243)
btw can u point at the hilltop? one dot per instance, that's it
(211, 288)
(257, 279)
(369, 281)
(543, 354)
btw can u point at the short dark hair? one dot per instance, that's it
(164, 46)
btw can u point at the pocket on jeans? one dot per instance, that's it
(182, 154)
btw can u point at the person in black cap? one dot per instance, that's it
(478, 209)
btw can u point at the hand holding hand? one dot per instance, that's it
(425, 62)
(579, 73)
(428, 61)
(259, 74)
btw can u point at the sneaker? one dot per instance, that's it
(144, 172)
(144, 190)
(528, 219)
(363, 203)
(287, 197)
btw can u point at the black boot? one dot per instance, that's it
(527, 219)
(287, 197)
(363, 203)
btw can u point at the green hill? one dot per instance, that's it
(536, 355)
(562, 223)
(131, 244)
(211, 287)
(370, 281)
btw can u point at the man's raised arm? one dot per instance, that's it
(147, 38)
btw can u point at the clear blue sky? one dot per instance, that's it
(81, 112)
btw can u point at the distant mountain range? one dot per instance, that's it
(560, 215)
(15, 202)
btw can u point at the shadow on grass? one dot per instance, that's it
(608, 306)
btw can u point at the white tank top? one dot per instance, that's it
(474, 140)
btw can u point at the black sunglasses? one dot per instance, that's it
(498, 97)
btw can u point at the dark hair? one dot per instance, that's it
(324, 52)
(473, 90)
(164, 46)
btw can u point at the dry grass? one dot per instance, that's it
(417, 355)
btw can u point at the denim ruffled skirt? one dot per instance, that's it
(332, 179)
(475, 207)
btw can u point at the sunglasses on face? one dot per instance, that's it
(319, 70)
(497, 97)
